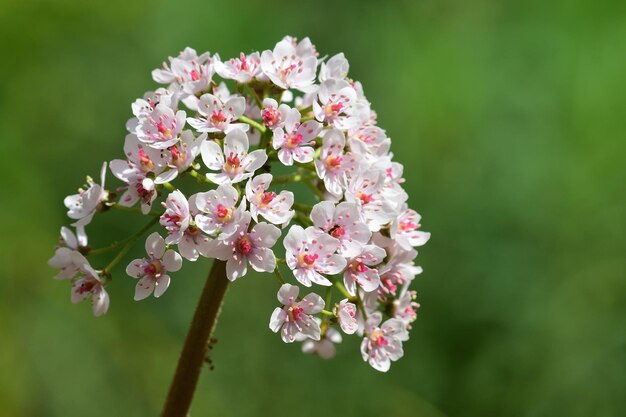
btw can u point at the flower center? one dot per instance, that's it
(337, 232)
(378, 338)
(233, 163)
(307, 260)
(87, 285)
(145, 162)
(294, 141)
(244, 245)
(267, 198)
(178, 158)
(223, 214)
(295, 312)
(408, 225)
(164, 130)
(218, 118)
(333, 161)
(195, 76)
(365, 198)
(154, 268)
(358, 267)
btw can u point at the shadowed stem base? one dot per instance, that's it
(196, 343)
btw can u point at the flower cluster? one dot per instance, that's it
(283, 111)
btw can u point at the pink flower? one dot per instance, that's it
(336, 67)
(366, 189)
(276, 208)
(383, 344)
(82, 206)
(405, 308)
(295, 140)
(273, 115)
(310, 253)
(218, 211)
(176, 217)
(346, 315)
(160, 128)
(291, 64)
(359, 271)
(344, 223)
(245, 247)
(67, 257)
(242, 69)
(337, 104)
(188, 72)
(87, 284)
(153, 269)
(218, 115)
(405, 230)
(235, 163)
(294, 319)
(194, 243)
(334, 166)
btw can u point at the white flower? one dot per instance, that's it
(143, 107)
(276, 208)
(194, 243)
(405, 230)
(83, 206)
(273, 115)
(334, 166)
(405, 308)
(67, 257)
(343, 222)
(346, 315)
(218, 211)
(182, 155)
(176, 217)
(190, 72)
(219, 115)
(242, 69)
(160, 128)
(325, 347)
(383, 344)
(294, 319)
(235, 163)
(366, 190)
(290, 65)
(336, 105)
(310, 253)
(245, 247)
(359, 271)
(295, 140)
(153, 269)
(336, 67)
(87, 284)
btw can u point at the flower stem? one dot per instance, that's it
(258, 126)
(130, 242)
(196, 345)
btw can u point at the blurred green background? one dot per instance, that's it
(510, 120)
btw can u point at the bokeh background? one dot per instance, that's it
(510, 120)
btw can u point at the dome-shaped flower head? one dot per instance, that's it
(294, 141)
(310, 253)
(245, 247)
(176, 217)
(190, 72)
(294, 319)
(343, 222)
(235, 163)
(218, 115)
(152, 271)
(87, 284)
(218, 211)
(334, 166)
(67, 257)
(383, 343)
(405, 230)
(275, 208)
(360, 272)
(160, 128)
(291, 64)
(83, 206)
(242, 69)
(346, 315)
(325, 347)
